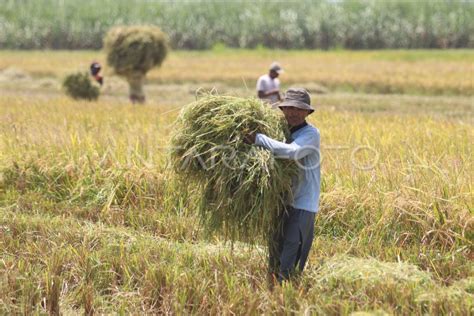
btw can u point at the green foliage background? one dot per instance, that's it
(324, 24)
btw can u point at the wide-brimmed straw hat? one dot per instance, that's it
(298, 98)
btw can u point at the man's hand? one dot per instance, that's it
(250, 138)
(262, 94)
(274, 91)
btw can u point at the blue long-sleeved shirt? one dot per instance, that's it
(304, 149)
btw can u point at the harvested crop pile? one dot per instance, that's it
(132, 51)
(241, 188)
(79, 86)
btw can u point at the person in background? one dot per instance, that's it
(289, 248)
(95, 72)
(268, 86)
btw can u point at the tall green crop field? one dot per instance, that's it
(322, 24)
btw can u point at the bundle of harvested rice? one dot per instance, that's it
(134, 50)
(242, 188)
(79, 86)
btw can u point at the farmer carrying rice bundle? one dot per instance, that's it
(240, 188)
(249, 193)
(290, 246)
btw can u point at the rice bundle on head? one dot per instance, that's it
(242, 188)
(134, 50)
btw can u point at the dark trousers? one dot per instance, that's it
(290, 245)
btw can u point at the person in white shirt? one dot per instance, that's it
(268, 86)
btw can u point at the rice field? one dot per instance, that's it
(92, 221)
(429, 72)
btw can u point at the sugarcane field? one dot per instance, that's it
(304, 157)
